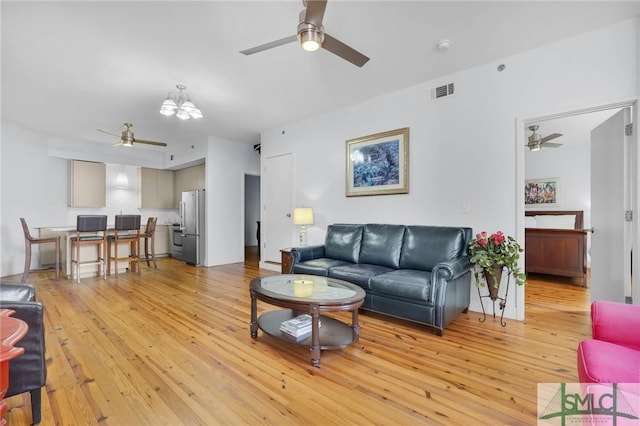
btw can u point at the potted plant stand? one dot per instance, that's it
(493, 294)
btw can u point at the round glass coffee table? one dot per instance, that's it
(311, 295)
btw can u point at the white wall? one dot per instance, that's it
(463, 149)
(227, 163)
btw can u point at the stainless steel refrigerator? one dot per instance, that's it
(192, 219)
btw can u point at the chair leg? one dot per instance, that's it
(137, 244)
(146, 251)
(153, 252)
(107, 257)
(102, 251)
(78, 261)
(36, 405)
(27, 261)
(115, 258)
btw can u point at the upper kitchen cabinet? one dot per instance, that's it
(88, 184)
(188, 179)
(156, 189)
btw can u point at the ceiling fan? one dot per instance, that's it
(127, 138)
(311, 36)
(536, 141)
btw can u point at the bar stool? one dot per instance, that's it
(90, 230)
(28, 241)
(127, 230)
(149, 236)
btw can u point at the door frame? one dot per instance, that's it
(521, 138)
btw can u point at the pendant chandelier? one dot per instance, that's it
(180, 104)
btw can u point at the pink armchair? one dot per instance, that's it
(613, 353)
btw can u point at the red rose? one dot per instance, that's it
(498, 238)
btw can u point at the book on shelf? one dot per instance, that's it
(296, 336)
(297, 326)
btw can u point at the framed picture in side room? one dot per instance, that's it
(541, 192)
(378, 164)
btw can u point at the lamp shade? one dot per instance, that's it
(303, 216)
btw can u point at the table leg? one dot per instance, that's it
(355, 325)
(254, 315)
(315, 337)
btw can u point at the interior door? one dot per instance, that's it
(610, 198)
(276, 226)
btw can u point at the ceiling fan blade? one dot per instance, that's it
(550, 137)
(551, 145)
(109, 133)
(135, 141)
(347, 53)
(119, 143)
(270, 45)
(315, 12)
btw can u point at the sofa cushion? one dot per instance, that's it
(317, 266)
(358, 274)
(405, 283)
(381, 245)
(426, 246)
(604, 362)
(343, 242)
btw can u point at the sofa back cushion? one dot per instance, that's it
(426, 246)
(381, 245)
(343, 242)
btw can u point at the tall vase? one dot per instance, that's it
(493, 284)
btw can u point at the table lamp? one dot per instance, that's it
(303, 216)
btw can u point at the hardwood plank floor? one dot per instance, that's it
(173, 347)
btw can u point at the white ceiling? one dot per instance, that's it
(69, 68)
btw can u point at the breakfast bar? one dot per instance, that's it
(66, 232)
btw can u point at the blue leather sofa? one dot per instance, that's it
(418, 273)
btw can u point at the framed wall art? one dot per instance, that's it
(378, 164)
(541, 192)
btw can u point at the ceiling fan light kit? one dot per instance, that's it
(180, 104)
(310, 37)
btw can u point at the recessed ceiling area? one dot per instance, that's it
(69, 68)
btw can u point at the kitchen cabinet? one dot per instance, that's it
(162, 240)
(188, 179)
(88, 184)
(156, 189)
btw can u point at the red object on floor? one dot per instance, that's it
(11, 331)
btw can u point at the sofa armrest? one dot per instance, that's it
(302, 254)
(452, 269)
(616, 323)
(17, 292)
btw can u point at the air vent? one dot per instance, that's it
(441, 92)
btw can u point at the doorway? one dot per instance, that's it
(252, 218)
(576, 199)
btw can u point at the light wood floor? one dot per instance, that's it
(173, 347)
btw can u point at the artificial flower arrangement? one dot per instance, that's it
(489, 252)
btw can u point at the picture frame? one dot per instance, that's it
(378, 164)
(541, 192)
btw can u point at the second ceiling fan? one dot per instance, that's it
(127, 138)
(537, 142)
(312, 37)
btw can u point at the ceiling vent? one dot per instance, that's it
(441, 92)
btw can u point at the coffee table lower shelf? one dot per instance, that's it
(334, 334)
